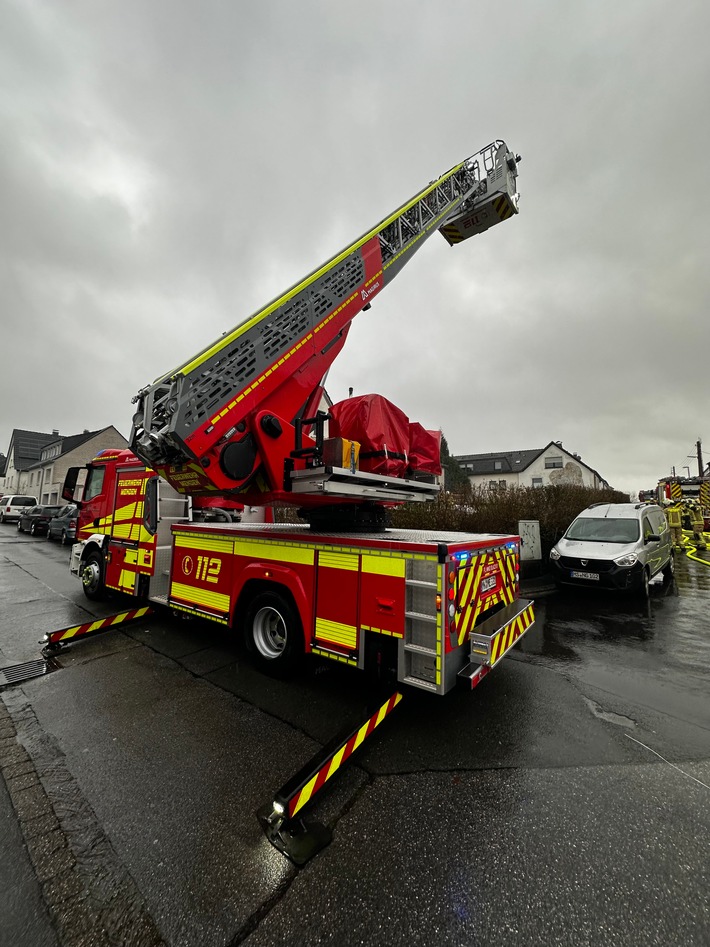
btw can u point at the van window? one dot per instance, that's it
(24, 501)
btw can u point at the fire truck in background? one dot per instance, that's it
(685, 490)
(239, 423)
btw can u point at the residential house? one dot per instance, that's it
(37, 462)
(541, 467)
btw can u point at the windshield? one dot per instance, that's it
(600, 530)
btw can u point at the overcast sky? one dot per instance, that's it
(166, 168)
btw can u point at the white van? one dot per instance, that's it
(12, 505)
(614, 546)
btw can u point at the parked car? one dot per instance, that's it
(63, 525)
(35, 519)
(12, 505)
(614, 546)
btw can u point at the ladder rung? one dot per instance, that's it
(420, 649)
(420, 682)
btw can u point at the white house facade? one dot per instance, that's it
(546, 466)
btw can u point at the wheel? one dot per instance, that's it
(273, 634)
(92, 576)
(65, 538)
(643, 587)
(19, 527)
(669, 568)
(33, 529)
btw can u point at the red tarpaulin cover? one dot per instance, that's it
(424, 450)
(381, 429)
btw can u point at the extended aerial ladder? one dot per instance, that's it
(229, 421)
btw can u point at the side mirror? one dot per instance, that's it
(652, 538)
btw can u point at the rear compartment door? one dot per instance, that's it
(484, 579)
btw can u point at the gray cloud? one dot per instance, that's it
(165, 169)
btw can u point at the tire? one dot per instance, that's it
(643, 588)
(33, 529)
(92, 577)
(273, 634)
(19, 527)
(64, 539)
(669, 569)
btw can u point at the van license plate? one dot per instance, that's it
(594, 576)
(488, 584)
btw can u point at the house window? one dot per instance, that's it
(502, 484)
(492, 485)
(551, 462)
(498, 465)
(537, 481)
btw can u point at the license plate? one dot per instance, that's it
(594, 576)
(488, 584)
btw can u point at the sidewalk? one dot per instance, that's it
(25, 919)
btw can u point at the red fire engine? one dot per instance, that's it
(240, 422)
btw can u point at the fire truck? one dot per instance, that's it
(241, 422)
(684, 490)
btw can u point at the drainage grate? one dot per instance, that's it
(16, 673)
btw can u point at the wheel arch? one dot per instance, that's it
(281, 581)
(95, 543)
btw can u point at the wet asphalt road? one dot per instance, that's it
(564, 801)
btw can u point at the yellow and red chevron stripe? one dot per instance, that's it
(340, 756)
(470, 601)
(101, 624)
(503, 207)
(508, 635)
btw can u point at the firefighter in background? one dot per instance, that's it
(675, 523)
(697, 524)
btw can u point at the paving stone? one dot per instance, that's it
(30, 803)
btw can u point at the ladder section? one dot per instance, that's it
(420, 649)
(193, 411)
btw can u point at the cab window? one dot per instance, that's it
(94, 483)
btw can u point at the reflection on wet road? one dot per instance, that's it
(670, 632)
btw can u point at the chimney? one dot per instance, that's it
(55, 431)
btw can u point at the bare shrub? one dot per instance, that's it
(482, 510)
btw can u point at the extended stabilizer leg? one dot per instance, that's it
(297, 838)
(56, 641)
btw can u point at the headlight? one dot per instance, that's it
(554, 554)
(629, 560)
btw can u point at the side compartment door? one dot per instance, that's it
(336, 627)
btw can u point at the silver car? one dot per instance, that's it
(614, 546)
